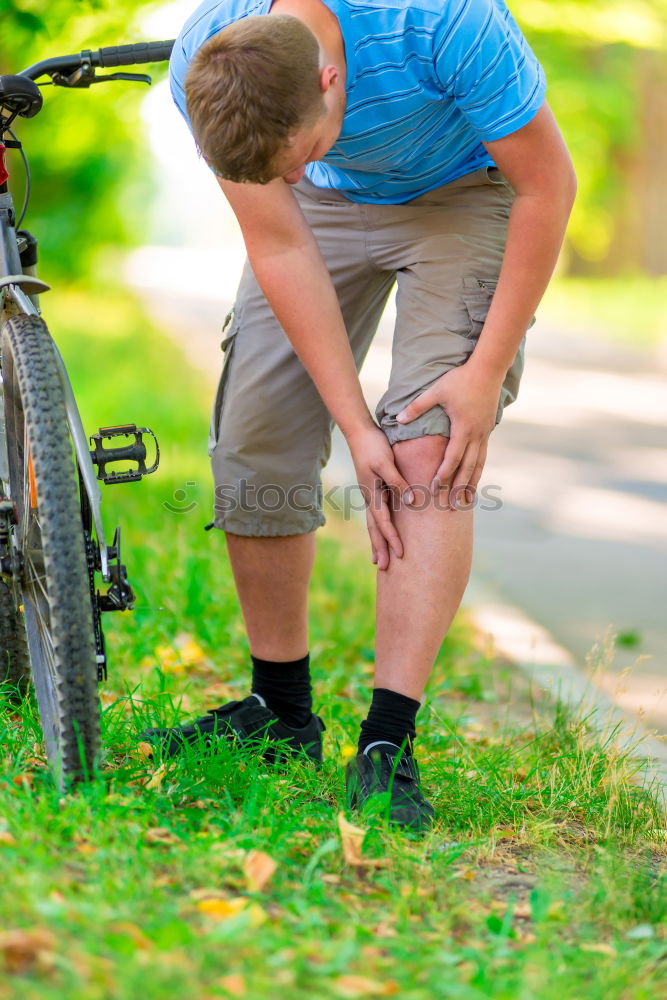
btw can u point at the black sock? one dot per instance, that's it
(285, 687)
(391, 719)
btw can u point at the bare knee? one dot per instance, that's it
(419, 458)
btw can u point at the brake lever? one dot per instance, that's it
(84, 76)
(132, 77)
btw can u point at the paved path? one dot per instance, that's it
(579, 463)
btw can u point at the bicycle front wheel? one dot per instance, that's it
(48, 534)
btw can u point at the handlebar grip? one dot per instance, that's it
(141, 52)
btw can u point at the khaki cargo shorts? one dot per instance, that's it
(270, 432)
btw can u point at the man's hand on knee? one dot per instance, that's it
(471, 403)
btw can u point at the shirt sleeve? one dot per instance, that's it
(485, 66)
(178, 67)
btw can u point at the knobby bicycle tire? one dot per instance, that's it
(54, 577)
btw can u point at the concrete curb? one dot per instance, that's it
(551, 667)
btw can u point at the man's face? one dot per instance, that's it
(308, 145)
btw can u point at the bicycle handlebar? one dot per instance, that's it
(114, 55)
(130, 55)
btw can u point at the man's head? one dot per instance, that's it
(256, 99)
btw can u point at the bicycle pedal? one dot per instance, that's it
(133, 452)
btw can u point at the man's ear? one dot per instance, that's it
(328, 77)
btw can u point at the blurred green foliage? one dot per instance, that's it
(607, 69)
(87, 149)
(606, 65)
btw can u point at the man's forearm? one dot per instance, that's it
(535, 234)
(299, 290)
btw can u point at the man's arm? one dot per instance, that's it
(290, 271)
(537, 164)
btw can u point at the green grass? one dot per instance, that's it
(544, 877)
(631, 310)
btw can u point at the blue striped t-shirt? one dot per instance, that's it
(427, 81)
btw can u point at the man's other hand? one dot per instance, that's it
(383, 487)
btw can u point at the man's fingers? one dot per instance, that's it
(383, 522)
(392, 478)
(463, 478)
(378, 544)
(454, 453)
(418, 406)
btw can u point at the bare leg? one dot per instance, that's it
(418, 595)
(272, 576)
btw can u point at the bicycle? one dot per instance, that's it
(52, 541)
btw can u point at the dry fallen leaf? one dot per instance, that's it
(168, 659)
(190, 652)
(233, 984)
(220, 908)
(361, 986)
(557, 910)
(23, 779)
(23, 950)
(258, 869)
(145, 749)
(83, 846)
(353, 838)
(199, 894)
(161, 835)
(157, 777)
(220, 692)
(132, 931)
(384, 930)
(600, 949)
(224, 909)
(221, 849)
(468, 874)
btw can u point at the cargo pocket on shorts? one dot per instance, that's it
(477, 296)
(230, 328)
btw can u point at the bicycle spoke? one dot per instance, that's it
(47, 640)
(39, 578)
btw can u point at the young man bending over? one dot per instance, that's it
(362, 145)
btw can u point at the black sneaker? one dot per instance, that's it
(382, 767)
(248, 721)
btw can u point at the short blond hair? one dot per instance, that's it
(249, 89)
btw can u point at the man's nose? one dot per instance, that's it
(294, 176)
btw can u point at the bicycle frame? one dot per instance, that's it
(18, 295)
